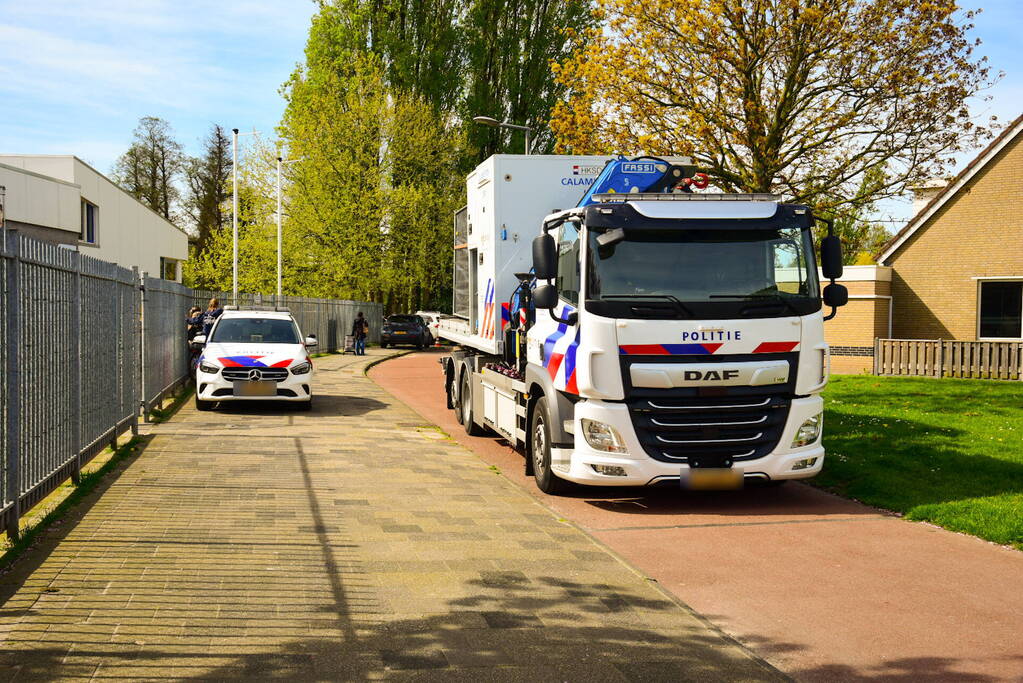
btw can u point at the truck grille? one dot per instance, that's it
(710, 431)
(268, 374)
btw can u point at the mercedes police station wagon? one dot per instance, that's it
(254, 355)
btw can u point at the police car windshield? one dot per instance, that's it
(739, 266)
(255, 331)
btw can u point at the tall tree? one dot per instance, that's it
(207, 179)
(374, 177)
(150, 167)
(510, 45)
(803, 97)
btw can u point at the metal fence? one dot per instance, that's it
(328, 319)
(165, 355)
(85, 345)
(70, 363)
(949, 358)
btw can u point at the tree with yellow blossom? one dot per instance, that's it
(836, 103)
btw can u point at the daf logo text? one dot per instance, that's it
(710, 375)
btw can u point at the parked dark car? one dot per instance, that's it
(405, 329)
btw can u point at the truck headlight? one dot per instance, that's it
(302, 368)
(208, 368)
(602, 437)
(809, 431)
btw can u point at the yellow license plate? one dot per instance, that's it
(400, 332)
(711, 479)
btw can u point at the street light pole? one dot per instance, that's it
(234, 216)
(280, 163)
(234, 211)
(494, 123)
(278, 302)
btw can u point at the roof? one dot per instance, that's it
(256, 313)
(944, 196)
(86, 164)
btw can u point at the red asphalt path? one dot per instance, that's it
(823, 588)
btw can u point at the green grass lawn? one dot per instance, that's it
(945, 451)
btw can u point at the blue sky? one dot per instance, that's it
(76, 76)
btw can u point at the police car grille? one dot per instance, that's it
(267, 374)
(709, 430)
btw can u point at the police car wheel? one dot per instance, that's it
(540, 452)
(203, 405)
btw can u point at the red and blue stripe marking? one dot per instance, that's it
(697, 349)
(251, 362)
(552, 361)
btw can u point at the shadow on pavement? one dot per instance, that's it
(753, 500)
(331, 404)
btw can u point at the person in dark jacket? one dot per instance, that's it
(213, 311)
(360, 328)
(193, 323)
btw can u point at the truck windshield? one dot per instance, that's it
(255, 330)
(704, 273)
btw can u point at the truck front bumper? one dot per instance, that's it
(636, 468)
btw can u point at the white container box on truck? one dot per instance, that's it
(663, 337)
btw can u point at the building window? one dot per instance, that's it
(1001, 310)
(90, 222)
(168, 268)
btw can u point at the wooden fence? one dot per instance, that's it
(946, 358)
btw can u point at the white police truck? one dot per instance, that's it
(645, 334)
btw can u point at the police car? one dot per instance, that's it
(254, 355)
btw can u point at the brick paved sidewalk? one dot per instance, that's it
(352, 542)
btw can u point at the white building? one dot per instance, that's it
(63, 200)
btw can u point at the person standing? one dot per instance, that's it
(213, 311)
(193, 322)
(360, 330)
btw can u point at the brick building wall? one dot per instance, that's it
(978, 232)
(851, 333)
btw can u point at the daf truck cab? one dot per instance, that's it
(658, 338)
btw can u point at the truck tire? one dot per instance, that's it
(465, 409)
(203, 406)
(540, 452)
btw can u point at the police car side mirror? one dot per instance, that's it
(311, 340)
(545, 258)
(199, 340)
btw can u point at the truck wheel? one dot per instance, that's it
(540, 451)
(465, 409)
(383, 345)
(203, 405)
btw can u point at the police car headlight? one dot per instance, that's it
(809, 431)
(208, 368)
(302, 368)
(602, 437)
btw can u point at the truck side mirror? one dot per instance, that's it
(545, 258)
(831, 257)
(835, 295)
(545, 296)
